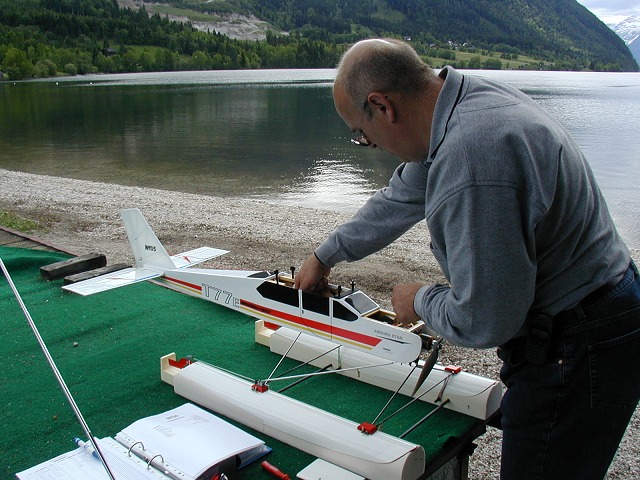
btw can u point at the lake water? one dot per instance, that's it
(274, 134)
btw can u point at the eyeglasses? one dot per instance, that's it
(359, 138)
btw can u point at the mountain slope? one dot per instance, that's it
(634, 48)
(561, 31)
(43, 38)
(629, 31)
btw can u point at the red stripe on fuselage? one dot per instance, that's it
(313, 324)
(186, 284)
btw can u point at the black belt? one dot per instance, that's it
(543, 328)
(594, 297)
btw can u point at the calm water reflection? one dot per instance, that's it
(265, 139)
(275, 134)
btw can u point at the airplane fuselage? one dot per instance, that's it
(348, 318)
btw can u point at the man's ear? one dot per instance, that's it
(382, 104)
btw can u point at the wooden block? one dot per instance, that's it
(96, 272)
(73, 265)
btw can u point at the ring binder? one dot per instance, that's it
(197, 444)
(138, 442)
(153, 458)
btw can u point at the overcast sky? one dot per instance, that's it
(612, 11)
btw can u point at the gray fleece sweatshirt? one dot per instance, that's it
(517, 221)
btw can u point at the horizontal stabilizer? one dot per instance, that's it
(195, 256)
(113, 280)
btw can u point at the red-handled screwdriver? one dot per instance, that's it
(274, 471)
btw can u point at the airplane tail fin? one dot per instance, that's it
(151, 258)
(147, 249)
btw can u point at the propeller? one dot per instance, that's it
(429, 362)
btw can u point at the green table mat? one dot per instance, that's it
(108, 348)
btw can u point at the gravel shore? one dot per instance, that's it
(83, 217)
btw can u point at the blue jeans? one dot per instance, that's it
(565, 419)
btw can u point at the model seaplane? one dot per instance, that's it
(347, 316)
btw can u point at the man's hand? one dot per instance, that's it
(402, 301)
(313, 276)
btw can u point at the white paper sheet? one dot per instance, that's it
(80, 464)
(188, 438)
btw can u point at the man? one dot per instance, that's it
(523, 235)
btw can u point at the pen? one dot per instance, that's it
(274, 471)
(86, 446)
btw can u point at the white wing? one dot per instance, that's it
(112, 280)
(195, 256)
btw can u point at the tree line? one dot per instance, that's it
(44, 38)
(557, 32)
(48, 37)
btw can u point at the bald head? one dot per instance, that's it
(384, 65)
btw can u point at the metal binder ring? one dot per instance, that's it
(152, 458)
(129, 451)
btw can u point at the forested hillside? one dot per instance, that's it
(40, 38)
(562, 32)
